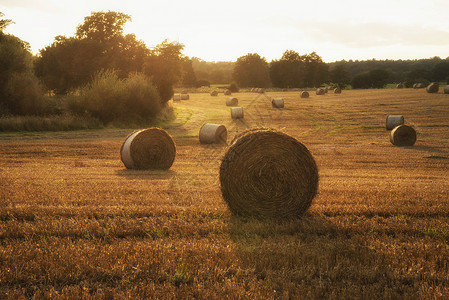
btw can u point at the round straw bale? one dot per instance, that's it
(304, 94)
(214, 93)
(227, 92)
(415, 85)
(433, 87)
(237, 112)
(419, 85)
(268, 174)
(185, 97)
(320, 91)
(261, 90)
(399, 86)
(177, 97)
(213, 134)
(151, 148)
(337, 90)
(393, 121)
(232, 101)
(403, 135)
(277, 103)
(446, 89)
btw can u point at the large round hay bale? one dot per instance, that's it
(433, 87)
(151, 148)
(446, 89)
(393, 121)
(185, 97)
(214, 93)
(304, 94)
(213, 134)
(403, 135)
(237, 112)
(268, 174)
(227, 92)
(177, 97)
(232, 101)
(337, 90)
(277, 103)
(320, 91)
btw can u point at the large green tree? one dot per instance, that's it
(340, 76)
(289, 71)
(251, 70)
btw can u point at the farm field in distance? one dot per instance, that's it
(74, 222)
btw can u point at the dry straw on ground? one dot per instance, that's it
(394, 120)
(433, 87)
(232, 101)
(320, 91)
(277, 103)
(403, 135)
(304, 94)
(268, 174)
(151, 148)
(213, 134)
(237, 112)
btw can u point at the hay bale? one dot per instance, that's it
(151, 148)
(214, 93)
(277, 103)
(177, 97)
(268, 174)
(399, 86)
(403, 135)
(320, 91)
(237, 112)
(393, 121)
(213, 134)
(304, 94)
(227, 92)
(232, 101)
(446, 89)
(433, 87)
(185, 97)
(337, 90)
(261, 90)
(420, 85)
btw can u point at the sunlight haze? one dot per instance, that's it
(226, 30)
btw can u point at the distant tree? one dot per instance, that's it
(340, 76)
(440, 72)
(289, 71)
(251, 70)
(4, 22)
(373, 79)
(188, 74)
(361, 81)
(316, 70)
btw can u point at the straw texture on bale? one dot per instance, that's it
(277, 103)
(213, 134)
(267, 174)
(232, 101)
(403, 135)
(320, 91)
(214, 93)
(151, 148)
(433, 87)
(393, 121)
(446, 89)
(337, 90)
(237, 112)
(177, 97)
(185, 97)
(227, 92)
(304, 94)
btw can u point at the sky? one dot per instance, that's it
(226, 30)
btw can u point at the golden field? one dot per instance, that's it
(74, 223)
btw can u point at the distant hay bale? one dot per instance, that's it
(419, 85)
(185, 97)
(403, 135)
(214, 93)
(232, 101)
(304, 94)
(151, 148)
(277, 103)
(177, 97)
(393, 121)
(399, 86)
(446, 89)
(337, 90)
(213, 134)
(237, 112)
(267, 174)
(415, 85)
(320, 91)
(433, 87)
(261, 90)
(227, 92)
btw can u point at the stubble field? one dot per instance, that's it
(75, 223)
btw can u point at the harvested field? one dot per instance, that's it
(75, 222)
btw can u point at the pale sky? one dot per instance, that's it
(226, 30)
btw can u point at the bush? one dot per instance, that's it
(24, 94)
(112, 100)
